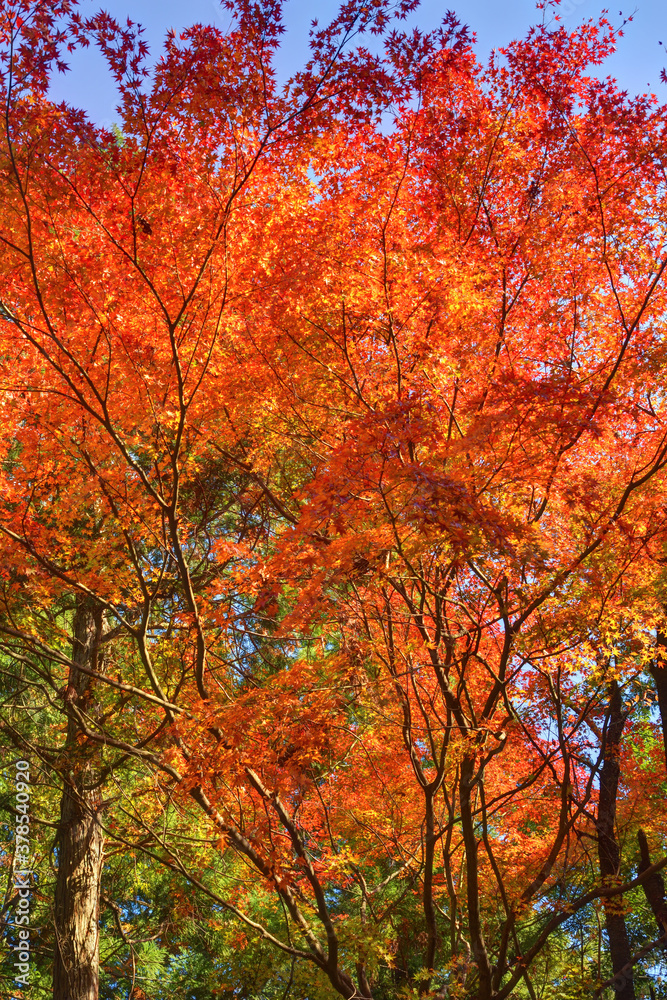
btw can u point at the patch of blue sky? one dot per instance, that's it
(636, 64)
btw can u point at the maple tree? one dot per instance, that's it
(345, 441)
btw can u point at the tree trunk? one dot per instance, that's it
(653, 886)
(477, 945)
(659, 674)
(608, 850)
(80, 841)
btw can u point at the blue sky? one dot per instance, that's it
(636, 64)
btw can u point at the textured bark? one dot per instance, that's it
(608, 849)
(80, 840)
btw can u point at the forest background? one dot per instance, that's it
(333, 509)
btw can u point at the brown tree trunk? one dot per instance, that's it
(608, 850)
(659, 674)
(80, 841)
(477, 945)
(653, 886)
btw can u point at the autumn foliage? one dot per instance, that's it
(344, 405)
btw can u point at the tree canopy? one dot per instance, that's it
(333, 506)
